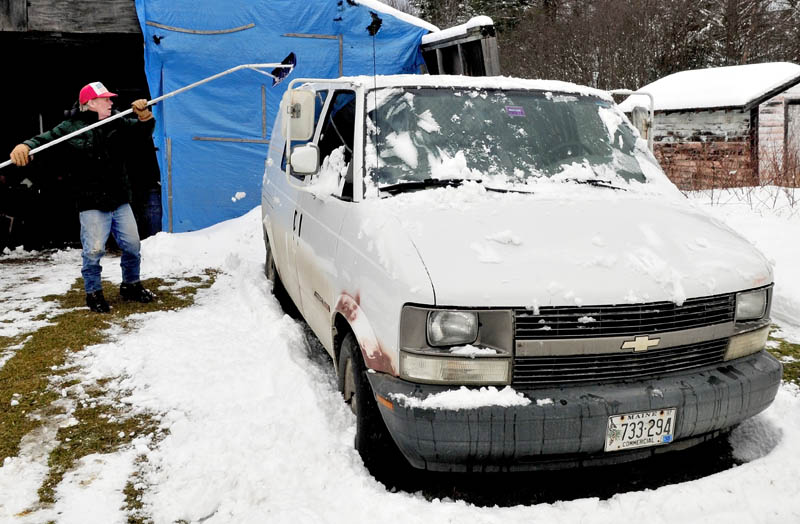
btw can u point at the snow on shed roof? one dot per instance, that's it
(457, 30)
(383, 8)
(733, 86)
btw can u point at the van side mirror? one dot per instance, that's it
(305, 159)
(298, 116)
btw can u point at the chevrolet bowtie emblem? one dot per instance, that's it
(641, 343)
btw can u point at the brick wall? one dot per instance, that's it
(702, 149)
(705, 165)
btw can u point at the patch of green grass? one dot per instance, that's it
(20, 261)
(133, 496)
(789, 354)
(25, 378)
(7, 342)
(28, 377)
(100, 429)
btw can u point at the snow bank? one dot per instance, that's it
(258, 433)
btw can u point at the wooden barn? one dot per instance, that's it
(725, 127)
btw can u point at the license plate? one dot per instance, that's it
(638, 430)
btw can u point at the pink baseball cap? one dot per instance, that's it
(94, 90)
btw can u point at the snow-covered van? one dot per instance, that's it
(504, 277)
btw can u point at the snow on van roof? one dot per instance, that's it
(383, 8)
(460, 81)
(457, 30)
(731, 86)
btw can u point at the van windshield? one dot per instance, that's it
(495, 135)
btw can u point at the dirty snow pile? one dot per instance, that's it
(258, 433)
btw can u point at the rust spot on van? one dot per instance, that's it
(378, 360)
(348, 306)
(374, 355)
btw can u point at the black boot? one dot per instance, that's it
(136, 292)
(97, 302)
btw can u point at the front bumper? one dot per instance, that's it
(570, 430)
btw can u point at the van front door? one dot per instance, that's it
(284, 213)
(322, 216)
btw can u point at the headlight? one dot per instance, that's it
(751, 305)
(443, 370)
(747, 343)
(451, 328)
(427, 335)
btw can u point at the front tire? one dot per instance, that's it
(372, 438)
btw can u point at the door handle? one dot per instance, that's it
(294, 220)
(300, 225)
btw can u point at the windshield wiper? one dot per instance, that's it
(416, 185)
(507, 190)
(596, 182)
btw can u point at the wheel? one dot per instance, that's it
(271, 272)
(372, 438)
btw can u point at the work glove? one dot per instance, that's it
(140, 108)
(19, 155)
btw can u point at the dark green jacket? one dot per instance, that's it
(96, 159)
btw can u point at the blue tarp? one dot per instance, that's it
(218, 132)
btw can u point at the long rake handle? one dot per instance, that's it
(255, 67)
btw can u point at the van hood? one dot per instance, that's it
(517, 250)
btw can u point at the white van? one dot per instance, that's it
(504, 277)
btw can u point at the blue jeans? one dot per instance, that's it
(96, 225)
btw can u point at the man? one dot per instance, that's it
(96, 160)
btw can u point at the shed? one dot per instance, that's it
(725, 126)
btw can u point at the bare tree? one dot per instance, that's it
(402, 5)
(506, 14)
(627, 43)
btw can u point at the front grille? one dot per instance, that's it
(626, 320)
(570, 369)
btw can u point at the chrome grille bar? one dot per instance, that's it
(624, 319)
(561, 370)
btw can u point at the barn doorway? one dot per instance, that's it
(37, 210)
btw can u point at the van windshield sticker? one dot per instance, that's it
(564, 98)
(515, 111)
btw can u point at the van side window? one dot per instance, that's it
(321, 96)
(337, 133)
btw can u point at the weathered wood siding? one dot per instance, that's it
(776, 121)
(699, 149)
(727, 125)
(13, 15)
(793, 127)
(69, 16)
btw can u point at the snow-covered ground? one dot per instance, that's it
(258, 433)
